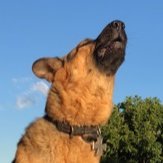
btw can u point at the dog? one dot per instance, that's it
(78, 102)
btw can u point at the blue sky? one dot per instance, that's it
(38, 28)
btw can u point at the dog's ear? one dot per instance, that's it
(47, 67)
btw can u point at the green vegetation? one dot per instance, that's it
(134, 134)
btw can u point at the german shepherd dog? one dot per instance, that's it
(78, 102)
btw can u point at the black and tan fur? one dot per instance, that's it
(81, 93)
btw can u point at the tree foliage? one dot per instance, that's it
(134, 134)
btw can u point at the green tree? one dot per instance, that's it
(135, 132)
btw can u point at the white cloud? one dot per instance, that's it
(24, 101)
(29, 97)
(41, 87)
(21, 80)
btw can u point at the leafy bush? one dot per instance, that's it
(134, 134)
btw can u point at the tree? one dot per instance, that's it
(135, 132)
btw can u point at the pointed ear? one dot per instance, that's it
(47, 67)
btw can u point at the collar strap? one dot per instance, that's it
(90, 134)
(74, 130)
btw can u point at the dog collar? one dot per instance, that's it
(90, 134)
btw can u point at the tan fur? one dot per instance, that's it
(81, 95)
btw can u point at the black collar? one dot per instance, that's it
(74, 130)
(90, 134)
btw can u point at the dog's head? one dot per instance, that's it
(110, 47)
(82, 81)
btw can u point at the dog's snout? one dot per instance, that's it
(118, 25)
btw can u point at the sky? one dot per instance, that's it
(37, 28)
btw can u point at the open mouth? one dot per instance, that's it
(110, 47)
(116, 43)
(118, 39)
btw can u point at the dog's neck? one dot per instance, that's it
(90, 134)
(88, 102)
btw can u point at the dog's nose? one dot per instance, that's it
(118, 25)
